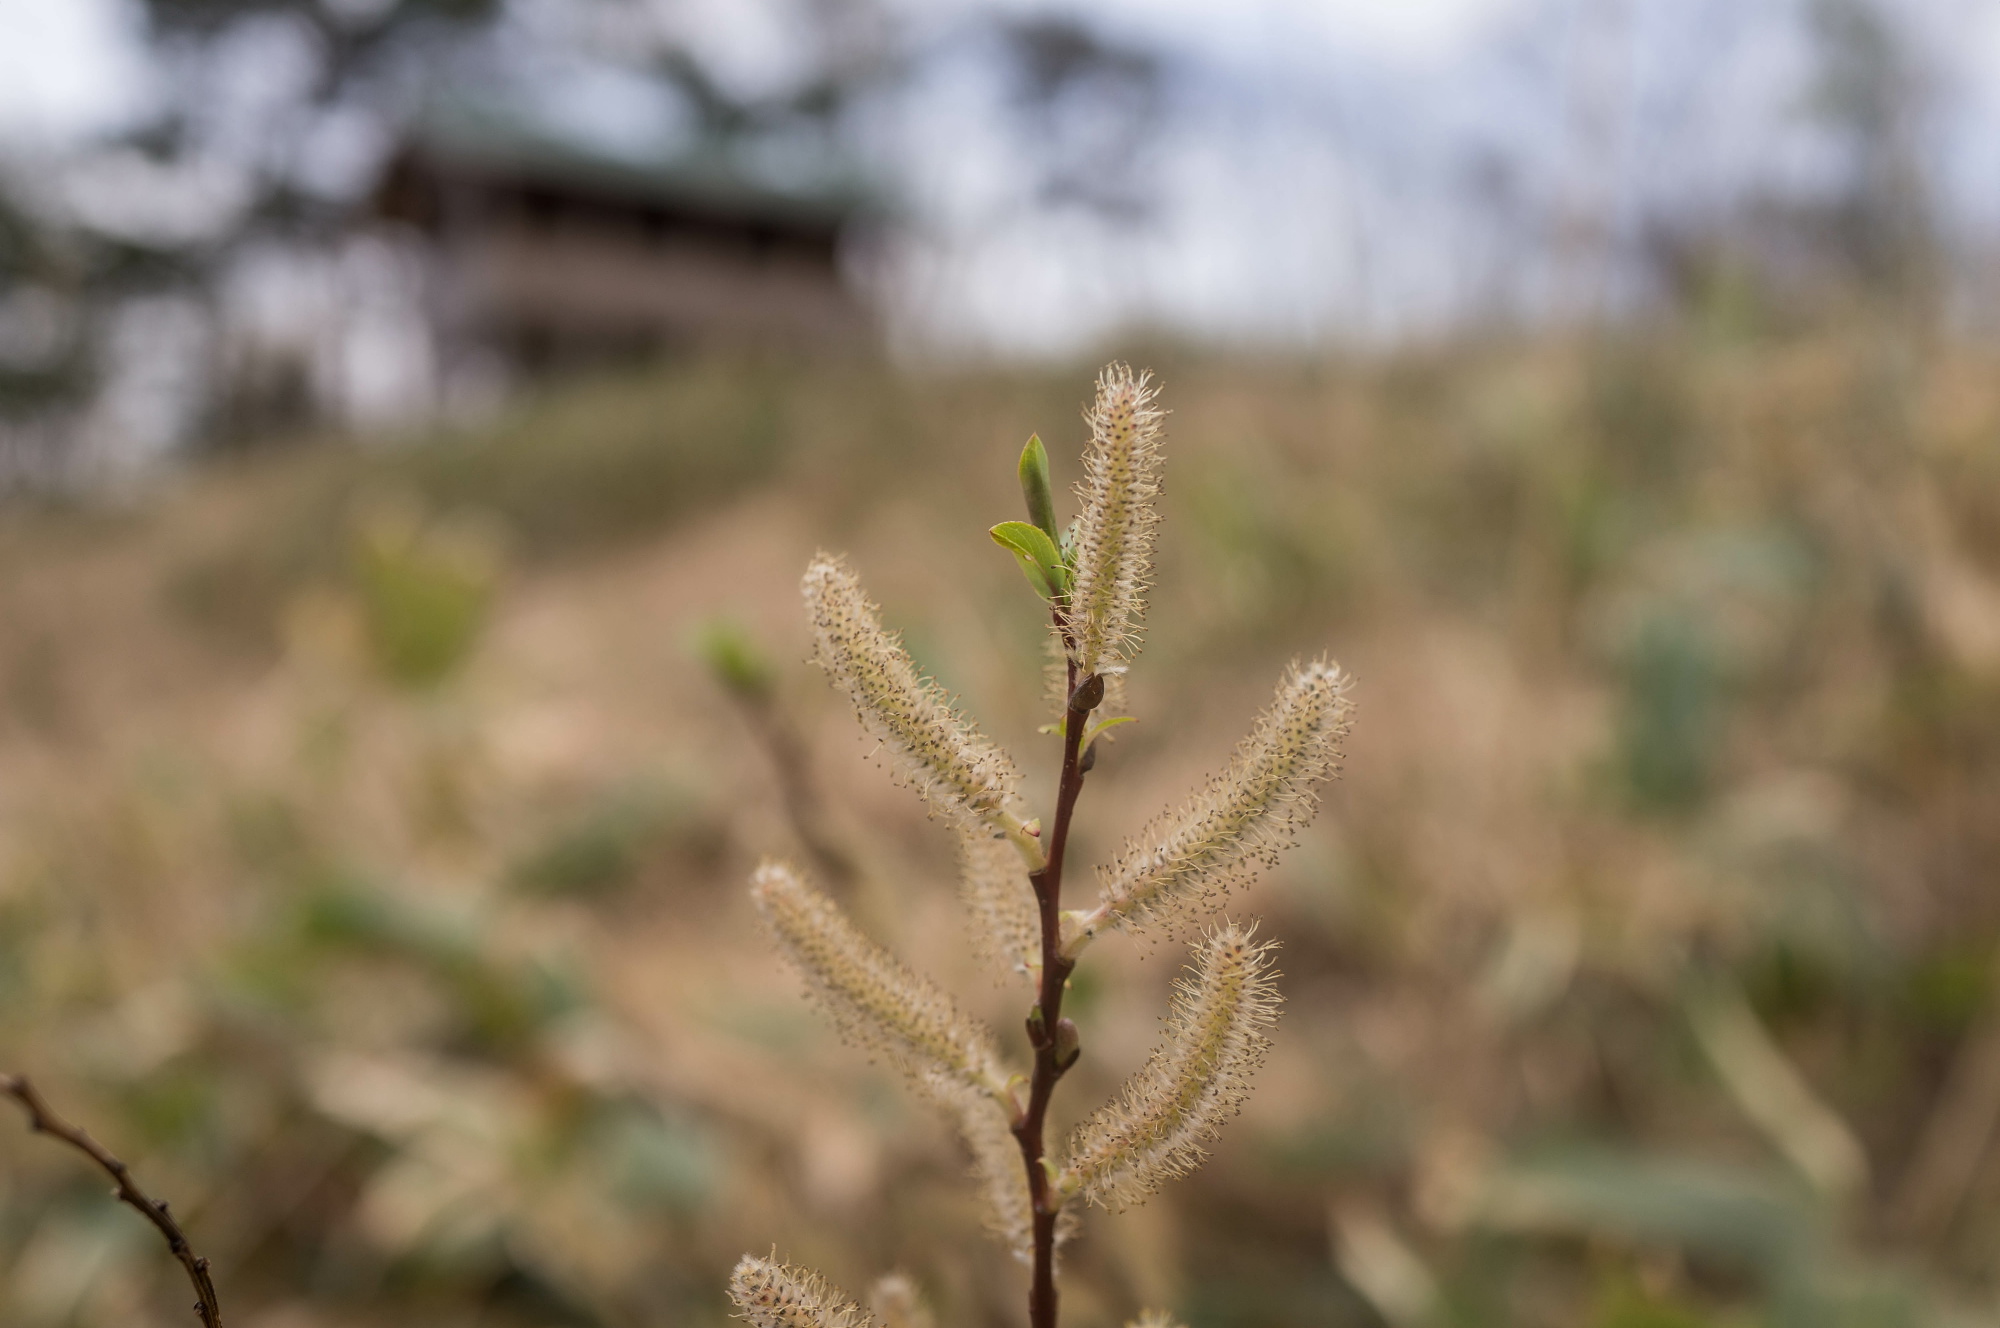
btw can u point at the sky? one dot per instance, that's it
(66, 69)
(1315, 175)
(72, 67)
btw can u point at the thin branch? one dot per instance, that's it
(1053, 1039)
(42, 1119)
(798, 793)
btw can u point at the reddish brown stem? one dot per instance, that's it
(42, 1119)
(1050, 1063)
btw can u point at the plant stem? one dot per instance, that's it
(1042, 1024)
(42, 1119)
(804, 808)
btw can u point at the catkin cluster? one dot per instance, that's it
(1217, 1032)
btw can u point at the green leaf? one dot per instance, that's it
(1091, 730)
(1090, 734)
(1036, 553)
(1035, 486)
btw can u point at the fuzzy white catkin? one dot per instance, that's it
(1186, 858)
(1118, 523)
(996, 1164)
(1003, 1183)
(935, 749)
(878, 1002)
(899, 1304)
(1155, 1319)
(1157, 1126)
(999, 902)
(770, 1294)
(872, 996)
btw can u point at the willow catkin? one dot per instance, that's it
(934, 749)
(1003, 1182)
(999, 902)
(770, 1294)
(1188, 857)
(1157, 1126)
(877, 1001)
(1118, 523)
(996, 1164)
(872, 996)
(899, 1304)
(1155, 1319)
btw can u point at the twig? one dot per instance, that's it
(804, 808)
(42, 1119)
(1054, 1052)
(740, 669)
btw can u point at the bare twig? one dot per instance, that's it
(746, 678)
(804, 808)
(42, 1119)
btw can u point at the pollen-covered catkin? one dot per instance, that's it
(936, 751)
(899, 1304)
(1194, 1081)
(872, 996)
(1118, 522)
(770, 1294)
(999, 902)
(1189, 856)
(996, 1163)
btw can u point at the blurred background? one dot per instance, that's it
(414, 417)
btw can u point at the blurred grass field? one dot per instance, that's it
(372, 838)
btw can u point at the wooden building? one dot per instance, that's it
(550, 255)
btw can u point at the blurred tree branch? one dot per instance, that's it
(42, 1119)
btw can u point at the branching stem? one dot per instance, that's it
(1053, 1055)
(42, 1119)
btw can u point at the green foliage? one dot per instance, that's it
(1039, 559)
(425, 589)
(1036, 490)
(1670, 720)
(734, 659)
(603, 848)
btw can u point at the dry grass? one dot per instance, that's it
(430, 994)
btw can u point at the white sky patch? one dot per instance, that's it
(1398, 31)
(68, 68)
